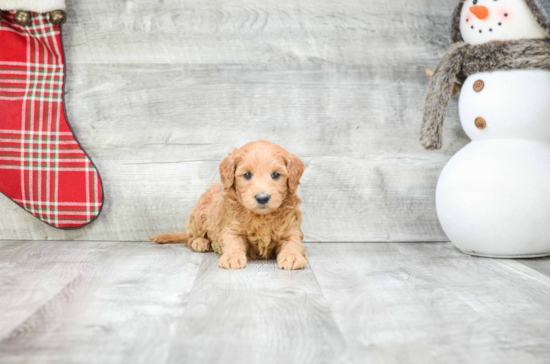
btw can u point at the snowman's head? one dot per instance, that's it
(487, 20)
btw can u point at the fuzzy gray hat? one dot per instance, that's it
(539, 8)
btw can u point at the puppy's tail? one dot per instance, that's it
(170, 238)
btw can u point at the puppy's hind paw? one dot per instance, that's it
(291, 261)
(233, 261)
(201, 245)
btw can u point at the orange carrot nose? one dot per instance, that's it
(480, 11)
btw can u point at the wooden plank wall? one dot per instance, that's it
(159, 91)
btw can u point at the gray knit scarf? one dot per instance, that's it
(463, 60)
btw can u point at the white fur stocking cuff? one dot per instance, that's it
(37, 6)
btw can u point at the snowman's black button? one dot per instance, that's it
(480, 123)
(478, 85)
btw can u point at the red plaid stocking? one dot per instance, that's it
(42, 166)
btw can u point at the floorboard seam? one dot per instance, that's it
(526, 270)
(39, 309)
(340, 332)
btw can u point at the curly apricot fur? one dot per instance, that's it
(228, 212)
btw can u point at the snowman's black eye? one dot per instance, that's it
(475, 2)
(506, 14)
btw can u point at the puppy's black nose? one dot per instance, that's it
(262, 198)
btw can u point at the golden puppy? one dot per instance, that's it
(253, 213)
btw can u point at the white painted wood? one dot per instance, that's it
(540, 264)
(127, 302)
(349, 32)
(428, 303)
(33, 273)
(159, 91)
(259, 314)
(119, 303)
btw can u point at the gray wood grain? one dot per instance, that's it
(258, 314)
(128, 302)
(349, 32)
(539, 264)
(428, 303)
(159, 91)
(103, 302)
(33, 274)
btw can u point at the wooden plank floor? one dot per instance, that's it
(128, 302)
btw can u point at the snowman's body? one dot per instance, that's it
(493, 197)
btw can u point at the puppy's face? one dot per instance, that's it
(262, 174)
(261, 182)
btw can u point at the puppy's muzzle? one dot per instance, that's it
(262, 198)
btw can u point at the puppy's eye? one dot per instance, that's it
(248, 175)
(275, 175)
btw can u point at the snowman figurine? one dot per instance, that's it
(493, 197)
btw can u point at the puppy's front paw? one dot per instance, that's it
(234, 260)
(291, 261)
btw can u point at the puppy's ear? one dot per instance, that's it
(295, 168)
(227, 170)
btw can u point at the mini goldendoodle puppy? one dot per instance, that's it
(254, 213)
